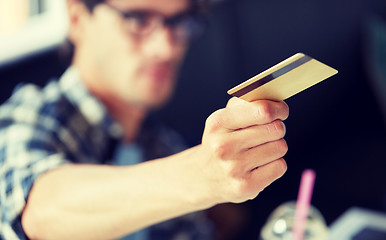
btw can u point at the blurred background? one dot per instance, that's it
(336, 128)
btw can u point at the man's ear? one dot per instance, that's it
(77, 15)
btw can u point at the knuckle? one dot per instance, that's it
(212, 122)
(234, 174)
(281, 147)
(280, 167)
(221, 149)
(264, 112)
(286, 110)
(276, 128)
(216, 120)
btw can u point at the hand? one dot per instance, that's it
(243, 147)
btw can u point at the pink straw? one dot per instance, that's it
(303, 203)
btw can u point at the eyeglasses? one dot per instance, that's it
(141, 23)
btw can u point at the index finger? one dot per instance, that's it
(243, 114)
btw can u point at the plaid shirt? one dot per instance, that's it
(42, 129)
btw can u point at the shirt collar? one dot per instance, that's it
(91, 108)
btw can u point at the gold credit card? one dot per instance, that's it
(284, 80)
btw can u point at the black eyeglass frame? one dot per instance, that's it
(189, 22)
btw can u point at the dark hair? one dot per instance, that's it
(90, 4)
(198, 6)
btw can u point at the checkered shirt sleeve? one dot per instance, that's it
(42, 129)
(28, 148)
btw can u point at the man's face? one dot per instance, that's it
(118, 64)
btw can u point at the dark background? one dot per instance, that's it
(336, 127)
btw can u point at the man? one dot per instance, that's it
(62, 147)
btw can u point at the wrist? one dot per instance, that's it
(198, 191)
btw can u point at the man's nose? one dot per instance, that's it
(161, 44)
